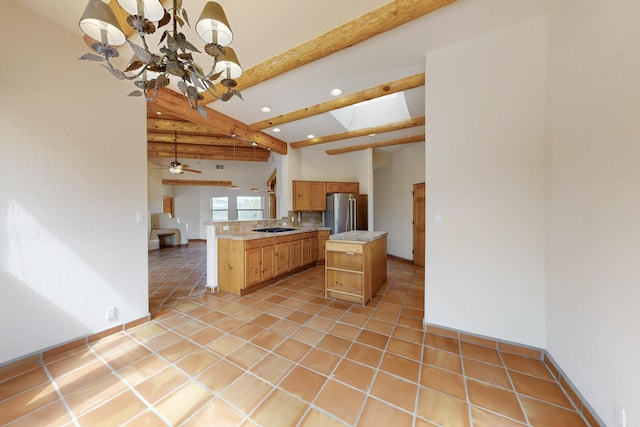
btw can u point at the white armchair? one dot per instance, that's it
(170, 231)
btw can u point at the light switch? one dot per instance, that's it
(139, 218)
(437, 217)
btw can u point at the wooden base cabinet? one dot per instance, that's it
(354, 271)
(244, 265)
(323, 236)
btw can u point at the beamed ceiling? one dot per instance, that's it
(196, 137)
(293, 54)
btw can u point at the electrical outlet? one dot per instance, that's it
(621, 416)
(112, 314)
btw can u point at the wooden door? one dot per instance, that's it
(268, 262)
(167, 205)
(318, 196)
(281, 258)
(295, 254)
(301, 196)
(418, 223)
(272, 205)
(252, 265)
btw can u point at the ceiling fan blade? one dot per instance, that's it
(190, 170)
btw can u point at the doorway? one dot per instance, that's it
(419, 200)
(271, 189)
(167, 205)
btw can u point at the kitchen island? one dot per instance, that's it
(355, 265)
(249, 259)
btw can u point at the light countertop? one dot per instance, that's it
(359, 236)
(251, 235)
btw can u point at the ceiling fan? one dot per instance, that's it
(176, 167)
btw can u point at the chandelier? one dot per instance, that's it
(151, 71)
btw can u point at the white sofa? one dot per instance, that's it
(168, 231)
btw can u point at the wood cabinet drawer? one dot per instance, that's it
(340, 246)
(252, 244)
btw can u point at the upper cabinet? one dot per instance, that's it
(309, 196)
(312, 195)
(343, 187)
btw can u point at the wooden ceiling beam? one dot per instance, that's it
(407, 140)
(192, 139)
(371, 24)
(177, 104)
(171, 125)
(405, 124)
(400, 85)
(209, 152)
(196, 182)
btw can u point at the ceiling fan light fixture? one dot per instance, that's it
(213, 26)
(175, 169)
(99, 23)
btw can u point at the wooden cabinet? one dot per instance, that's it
(281, 255)
(355, 271)
(244, 265)
(268, 259)
(312, 195)
(343, 187)
(323, 236)
(295, 254)
(309, 196)
(313, 248)
(253, 266)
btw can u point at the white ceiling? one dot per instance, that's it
(263, 29)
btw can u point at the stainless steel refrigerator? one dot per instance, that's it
(346, 212)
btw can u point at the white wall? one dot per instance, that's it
(393, 186)
(593, 275)
(319, 166)
(73, 149)
(485, 172)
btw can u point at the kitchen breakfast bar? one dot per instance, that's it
(245, 260)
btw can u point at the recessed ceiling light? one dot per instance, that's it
(158, 112)
(276, 130)
(336, 92)
(310, 136)
(372, 134)
(265, 109)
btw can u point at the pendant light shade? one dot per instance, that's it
(152, 9)
(99, 23)
(212, 26)
(229, 62)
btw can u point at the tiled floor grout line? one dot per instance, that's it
(149, 405)
(515, 391)
(464, 381)
(54, 384)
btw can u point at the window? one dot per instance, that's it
(220, 209)
(250, 207)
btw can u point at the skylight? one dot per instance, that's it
(374, 112)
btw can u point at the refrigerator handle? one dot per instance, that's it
(352, 214)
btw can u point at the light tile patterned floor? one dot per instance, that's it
(282, 356)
